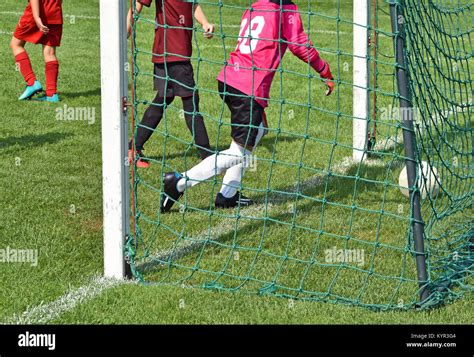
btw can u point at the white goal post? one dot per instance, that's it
(360, 97)
(115, 168)
(114, 87)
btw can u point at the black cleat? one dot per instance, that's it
(222, 202)
(171, 193)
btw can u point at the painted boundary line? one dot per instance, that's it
(85, 17)
(227, 225)
(47, 312)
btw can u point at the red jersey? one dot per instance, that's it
(51, 12)
(266, 32)
(174, 43)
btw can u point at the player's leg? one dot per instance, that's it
(17, 46)
(51, 73)
(195, 123)
(182, 84)
(229, 195)
(24, 65)
(244, 138)
(149, 123)
(175, 183)
(247, 130)
(154, 113)
(50, 42)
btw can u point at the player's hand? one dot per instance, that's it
(330, 85)
(44, 29)
(328, 79)
(208, 30)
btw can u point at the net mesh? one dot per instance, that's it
(324, 227)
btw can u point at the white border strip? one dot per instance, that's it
(86, 17)
(182, 248)
(47, 312)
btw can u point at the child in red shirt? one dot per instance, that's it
(41, 23)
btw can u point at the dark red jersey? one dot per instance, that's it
(51, 12)
(173, 30)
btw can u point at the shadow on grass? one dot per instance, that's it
(333, 188)
(316, 187)
(88, 93)
(31, 141)
(266, 143)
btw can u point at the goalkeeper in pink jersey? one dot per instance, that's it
(267, 31)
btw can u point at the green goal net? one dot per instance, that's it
(324, 226)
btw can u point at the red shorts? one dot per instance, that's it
(27, 30)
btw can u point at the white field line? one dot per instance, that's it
(85, 17)
(227, 225)
(16, 13)
(46, 312)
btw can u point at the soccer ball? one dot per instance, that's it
(428, 183)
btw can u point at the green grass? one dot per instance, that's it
(60, 166)
(175, 305)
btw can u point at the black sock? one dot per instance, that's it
(195, 123)
(151, 119)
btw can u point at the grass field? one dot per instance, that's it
(50, 197)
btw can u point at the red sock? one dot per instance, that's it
(51, 71)
(24, 65)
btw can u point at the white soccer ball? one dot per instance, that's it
(428, 183)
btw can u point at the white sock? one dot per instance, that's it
(261, 132)
(234, 175)
(232, 179)
(212, 166)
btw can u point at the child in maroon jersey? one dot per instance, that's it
(172, 50)
(267, 31)
(41, 23)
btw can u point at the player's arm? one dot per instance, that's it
(35, 9)
(202, 19)
(302, 47)
(138, 9)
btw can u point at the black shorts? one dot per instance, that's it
(181, 79)
(243, 110)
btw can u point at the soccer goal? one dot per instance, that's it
(330, 221)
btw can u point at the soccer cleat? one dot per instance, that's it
(53, 99)
(141, 162)
(171, 193)
(31, 91)
(238, 198)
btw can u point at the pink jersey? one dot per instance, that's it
(259, 48)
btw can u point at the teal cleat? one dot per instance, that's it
(31, 91)
(53, 99)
